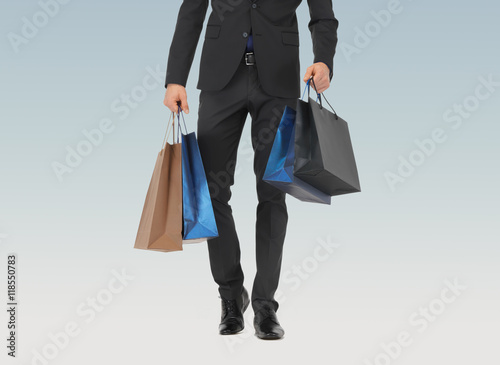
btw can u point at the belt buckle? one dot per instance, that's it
(248, 63)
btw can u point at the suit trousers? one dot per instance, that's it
(221, 118)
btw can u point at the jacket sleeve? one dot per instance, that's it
(186, 36)
(323, 27)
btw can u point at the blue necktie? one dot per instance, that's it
(250, 43)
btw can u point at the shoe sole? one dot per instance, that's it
(231, 333)
(268, 337)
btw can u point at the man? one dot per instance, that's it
(249, 64)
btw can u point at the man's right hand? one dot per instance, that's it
(173, 95)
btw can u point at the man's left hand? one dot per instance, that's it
(321, 76)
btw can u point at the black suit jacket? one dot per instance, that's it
(273, 24)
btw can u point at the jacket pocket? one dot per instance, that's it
(290, 38)
(212, 31)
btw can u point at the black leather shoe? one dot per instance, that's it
(232, 320)
(266, 324)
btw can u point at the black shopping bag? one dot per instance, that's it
(324, 156)
(279, 169)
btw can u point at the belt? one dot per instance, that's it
(248, 58)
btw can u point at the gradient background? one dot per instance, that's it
(395, 248)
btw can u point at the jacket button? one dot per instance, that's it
(245, 34)
(254, 6)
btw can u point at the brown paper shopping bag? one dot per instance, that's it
(160, 227)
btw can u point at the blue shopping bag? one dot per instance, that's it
(279, 169)
(197, 210)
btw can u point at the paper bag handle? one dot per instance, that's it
(318, 95)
